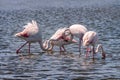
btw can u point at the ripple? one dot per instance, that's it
(53, 65)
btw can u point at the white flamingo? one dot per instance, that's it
(78, 30)
(91, 38)
(59, 40)
(30, 34)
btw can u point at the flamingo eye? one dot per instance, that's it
(67, 33)
(24, 27)
(87, 42)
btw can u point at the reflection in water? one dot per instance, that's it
(55, 65)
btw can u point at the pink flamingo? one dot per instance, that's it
(30, 34)
(91, 38)
(78, 31)
(59, 40)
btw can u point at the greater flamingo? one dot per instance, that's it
(78, 30)
(30, 34)
(91, 38)
(59, 40)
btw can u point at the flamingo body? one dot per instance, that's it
(78, 30)
(58, 34)
(58, 40)
(31, 33)
(91, 38)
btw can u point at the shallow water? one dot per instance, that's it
(105, 20)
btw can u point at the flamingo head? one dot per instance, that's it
(45, 43)
(86, 43)
(67, 35)
(67, 32)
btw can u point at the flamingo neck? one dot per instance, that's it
(102, 50)
(99, 47)
(42, 46)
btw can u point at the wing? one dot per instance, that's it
(58, 34)
(31, 28)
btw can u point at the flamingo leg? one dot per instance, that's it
(93, 49)
(103, 53)
(29, 48)
(39, 44)
(80, 46)
(21, 47)
(87, 51)
(63, 47)
(60, 49)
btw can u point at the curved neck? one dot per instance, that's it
(102, 50)
(48, 45)
(99, 47)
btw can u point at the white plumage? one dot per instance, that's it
(78, 31)
(91, 38)
(31, 33)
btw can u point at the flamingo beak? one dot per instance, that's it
(17, 35)
(74, 41)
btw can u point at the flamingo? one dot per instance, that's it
(30, 34)
(78, 30)
(59, 40)
(91, 38)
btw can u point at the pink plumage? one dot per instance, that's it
(31, 33)
(91, 38)
(78, 31)
(59, 40)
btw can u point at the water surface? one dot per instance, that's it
(102, 18)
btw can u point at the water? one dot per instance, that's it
(102, 17)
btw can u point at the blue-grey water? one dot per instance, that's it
(102, 16)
